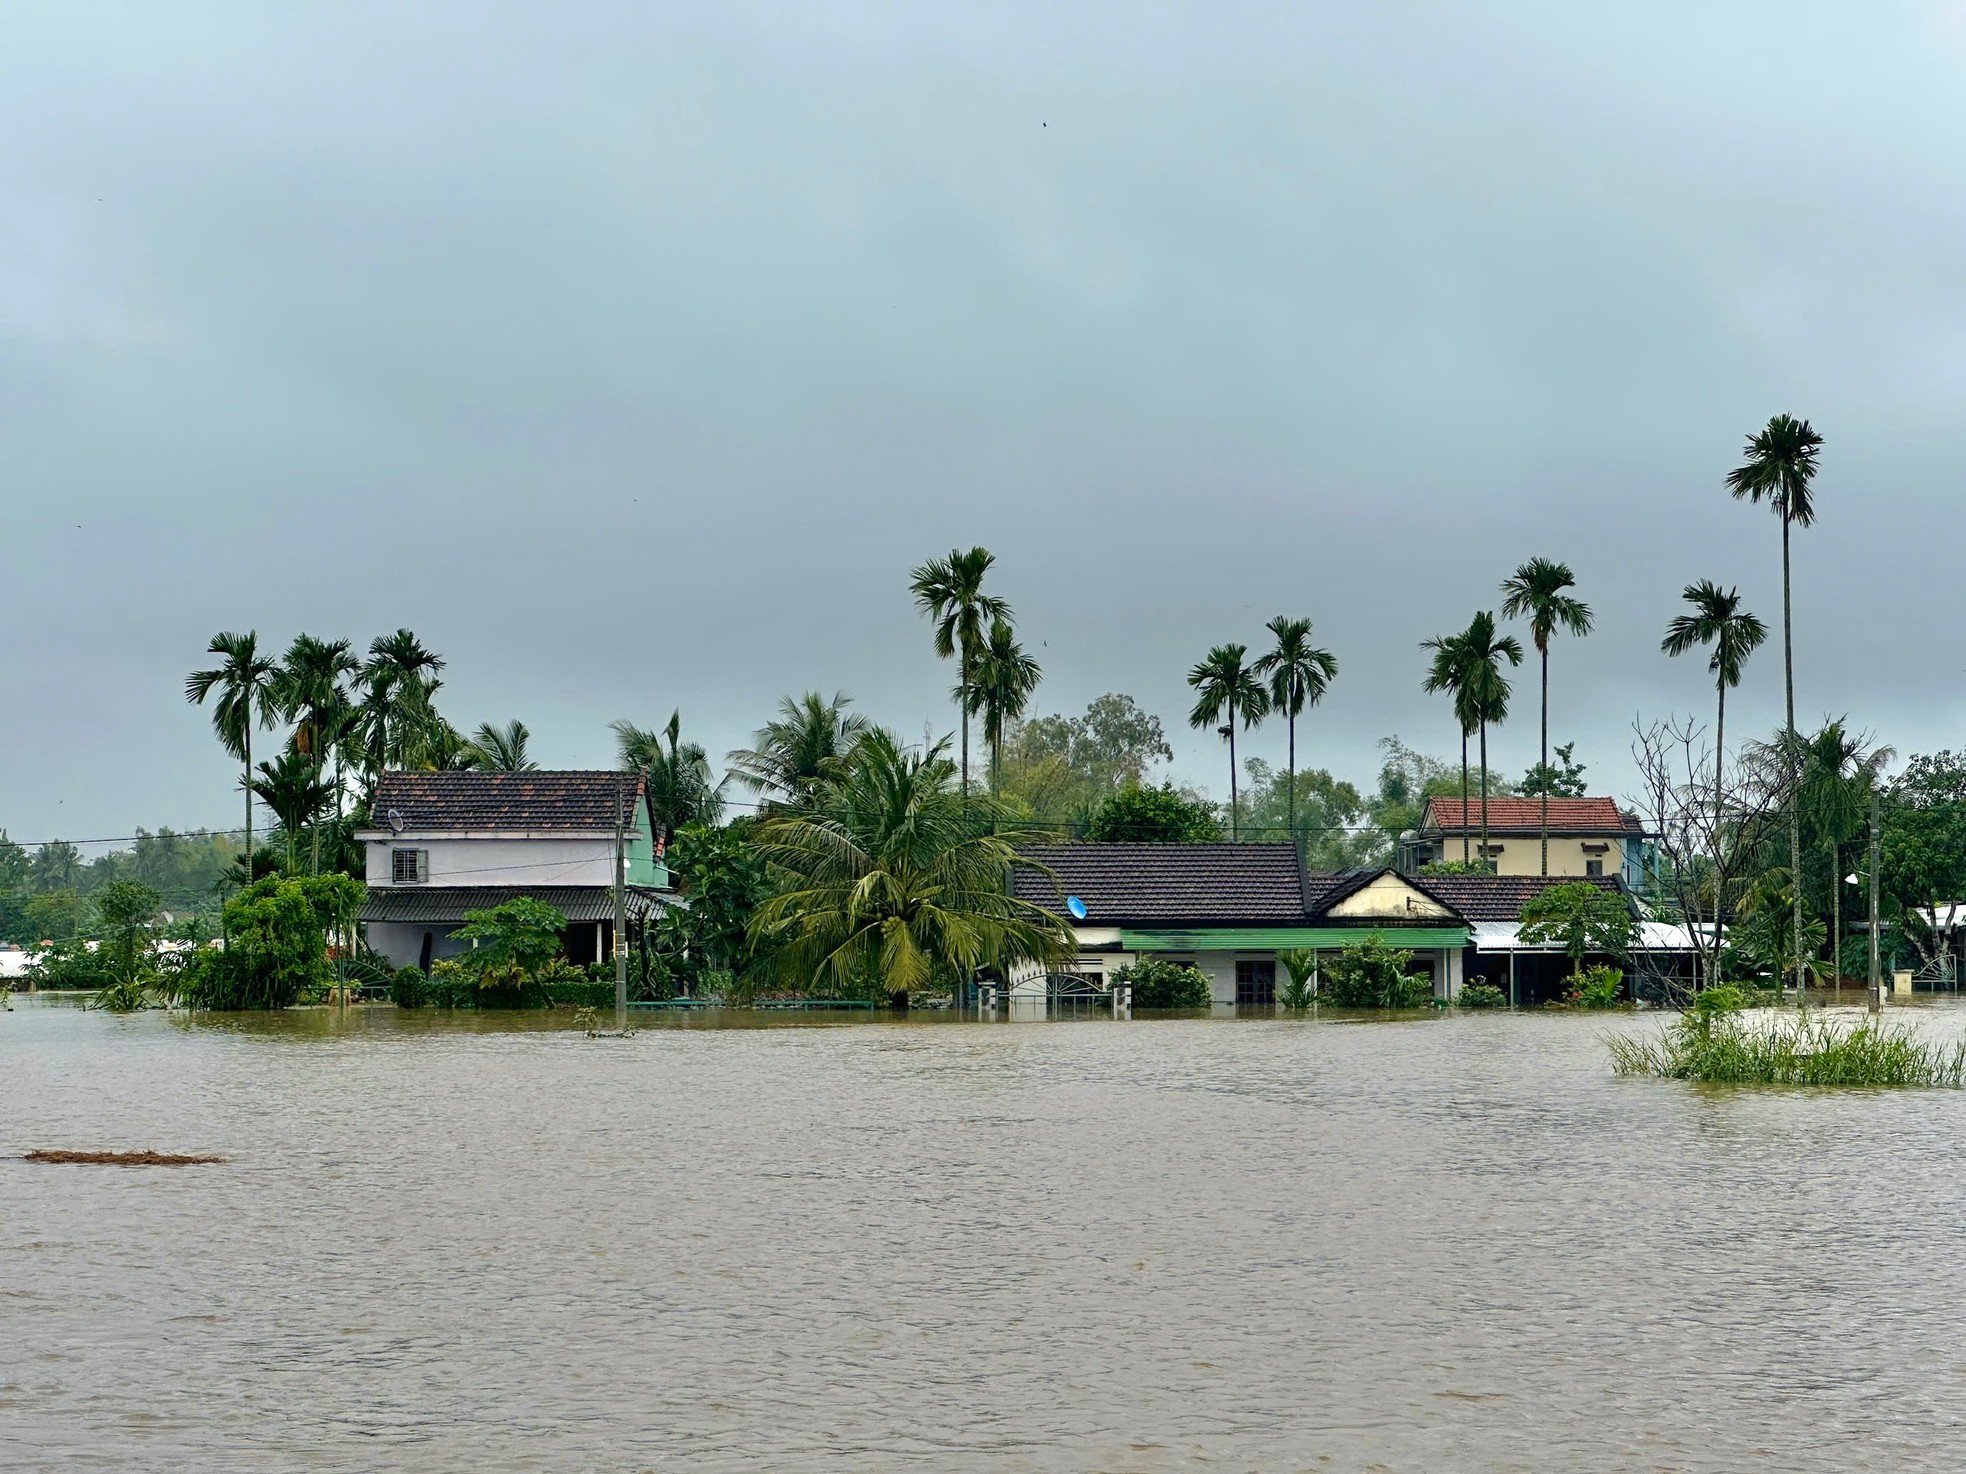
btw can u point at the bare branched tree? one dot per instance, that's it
(1711, 819)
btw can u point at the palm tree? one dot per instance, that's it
(398, 711)
(1224, 683)
(1840, 772)
(888, 878)
(950, 592)
(312, 689)
(1001, 687)
(1779, 469)
(797, 749)
(1449, 672)
(1299, 674)
(1489, 689)
(1717, 620)
(677, 788)
(294, 790)
(503, 749)
(1537, 590)
(247, 698)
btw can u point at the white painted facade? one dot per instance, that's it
(556, 858)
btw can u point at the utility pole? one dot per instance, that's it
(1876, 972)
(620, 916)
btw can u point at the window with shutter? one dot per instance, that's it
(409, 867)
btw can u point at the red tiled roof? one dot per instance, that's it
(1524, 816)
(579, 802)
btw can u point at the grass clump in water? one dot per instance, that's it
(1713, 1042)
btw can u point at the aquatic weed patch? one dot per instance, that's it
(1717, 1043)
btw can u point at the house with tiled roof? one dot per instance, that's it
(1588, 837)
(1229, 909)
(441, 845)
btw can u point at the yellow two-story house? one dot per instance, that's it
(1588, 837)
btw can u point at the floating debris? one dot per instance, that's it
(122, 1159)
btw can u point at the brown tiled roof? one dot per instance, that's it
(1497, 897)
(569, 802)
(1524, 816)
(1165, 884)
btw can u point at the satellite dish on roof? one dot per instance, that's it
(395, 821)
(1077, 907)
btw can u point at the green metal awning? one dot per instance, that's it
(1283, 938)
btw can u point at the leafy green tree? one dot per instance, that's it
(276, 948)
(1562, 779)
(1001, 688)
(1539, 589)
(890, 875)
(1226, 684)
(293, 788)
(56, 866)
(1923, 849)
(1583, 919)
(503, 749)
(248, 697)
(721, 875)
(520, 935)
(13, 865)
(1717, 620)
(1299, 673)
(54, 916)
(125, 913)
(677, 788)
(1335, 828)
(1060, 768)
(798, 749)
(1162, 815)
(1371, 974)
(950, 592)
(1780, 469)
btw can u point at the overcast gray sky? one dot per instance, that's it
(632, 354)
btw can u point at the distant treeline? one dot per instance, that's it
(45, 890)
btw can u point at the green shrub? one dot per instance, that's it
(409, 988)
(71, 966)
(276, 950)
(1596, 987)
(1298, 992)
(1158, 984)
(1482, 995)
(1714, 1042)
(1370, 974)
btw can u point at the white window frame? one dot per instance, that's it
(419, 866)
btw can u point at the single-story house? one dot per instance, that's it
(1228, 909)
(441, 845)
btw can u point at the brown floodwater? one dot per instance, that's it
(488, 1243)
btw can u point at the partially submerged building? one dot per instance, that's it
(1229, 909)
(1589, 838)
(442, 845)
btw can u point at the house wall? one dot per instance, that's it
(1219, 967)
(1392, 900)
(561, 860)
(1523, 854)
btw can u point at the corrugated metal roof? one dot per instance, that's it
(433, 904)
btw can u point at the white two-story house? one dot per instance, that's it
(442, 845)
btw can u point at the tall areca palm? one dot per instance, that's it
(677, 788)
(1449, 671)
(503, 749)
(1717, 620)
(1227, 685)
(888, 878)
(1299, 673)
(1001, 688)
(1780, 470)
(950, 592)
(247, 698)
(1840, 772)
(797, 749)
(1537, 589)
(1485, 653)
(312, 686)
(399, 714)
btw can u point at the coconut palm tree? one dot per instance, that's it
(247, 698)
(1717, 620)
(1485, 652)
(1001, 687)
(1536, 589)
(888, 877)
(1299, 673)
(1226, 684)
(1780, 470)
(312, 688)
(1449, 671)
(950, 592)
(677, 788)
(1840, 772)
(797, 749)
(503, 749)
(294, 790)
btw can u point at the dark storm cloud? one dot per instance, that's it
(631, 355)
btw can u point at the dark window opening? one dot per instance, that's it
(1256, 984)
